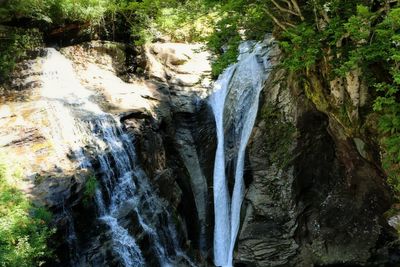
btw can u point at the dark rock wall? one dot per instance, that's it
(315, 198)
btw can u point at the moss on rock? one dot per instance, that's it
(280, 134)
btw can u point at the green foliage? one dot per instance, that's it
(90, 186)
(90, 189)
(353, 35)
(225, 59)
(34, 9)
(221, 24)
(142, 19)
(307, 42)
(23, 227)
(17, 42)
(82, 10)
(359, 25)
(360, 50)
(15, 47)
(191, 21)
(139, 17)
(238, 20)
(54, 11)
(224, 45)
(135, 19)
(387, 102)
(302, 47)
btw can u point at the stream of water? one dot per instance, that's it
(238, 90)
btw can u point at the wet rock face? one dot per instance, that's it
(169, 122)
(315, 198)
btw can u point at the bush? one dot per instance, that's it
(357, 36)
(237, 21)
(23, 227)
(387, 103)
(90, 186)
(188, 22)
(90, 189)
(54, 11)
(15, 48)
(301, 46)
(33, 9)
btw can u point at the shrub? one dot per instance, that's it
(90, 189)
(15, 48)
(90, 186)
(23, 227)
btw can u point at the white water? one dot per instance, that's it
(79, 126)
(244, 81)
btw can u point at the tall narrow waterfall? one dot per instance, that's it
(84, 130)
(235, 102)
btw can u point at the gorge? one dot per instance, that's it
(257, 145)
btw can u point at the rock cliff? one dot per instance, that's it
(164, 111)
(315, 192)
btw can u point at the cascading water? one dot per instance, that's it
(220, 187)
(79, 126)
(241, 84)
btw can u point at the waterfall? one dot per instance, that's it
(220, 186)
(237, 89)
(81, 129)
